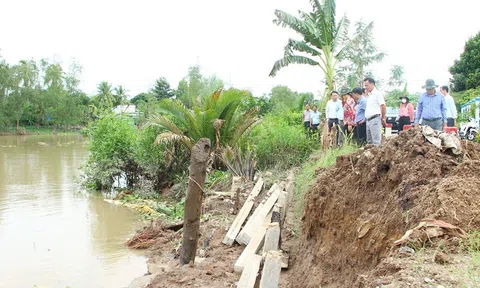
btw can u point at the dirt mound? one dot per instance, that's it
(369, 199)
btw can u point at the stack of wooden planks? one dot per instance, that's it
(260, 232)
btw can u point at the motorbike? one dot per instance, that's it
(468, 130)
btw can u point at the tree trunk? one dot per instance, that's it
(193, 202)
(18, 124)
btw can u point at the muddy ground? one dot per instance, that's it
(353, 214)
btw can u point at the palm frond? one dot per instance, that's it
(285, 19)
(294, 59)
(299, 46)
(169, 137)
(245, 122)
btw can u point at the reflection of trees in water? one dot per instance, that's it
(111, 226)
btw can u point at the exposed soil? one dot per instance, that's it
(213, 266)
(369, 199)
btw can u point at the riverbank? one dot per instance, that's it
(408, 231)
(41, 130)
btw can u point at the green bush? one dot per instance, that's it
(160, 161)
(112, 149)
(280, 140)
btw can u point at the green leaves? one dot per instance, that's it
(466, 70)
(187, 126)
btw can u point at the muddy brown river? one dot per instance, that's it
(51, 233)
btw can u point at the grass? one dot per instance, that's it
(41, 130)
(470, 275)
(306, 177)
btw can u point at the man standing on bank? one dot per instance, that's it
(451, 108)
(360, 130)
(431, 107)
(375, 113)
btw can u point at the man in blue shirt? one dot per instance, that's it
(360, 124)
(314, 119)
(431, 108)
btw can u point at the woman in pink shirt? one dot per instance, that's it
(406, 113)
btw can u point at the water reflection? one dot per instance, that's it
(50, 233)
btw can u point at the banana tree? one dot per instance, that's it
(324, 40)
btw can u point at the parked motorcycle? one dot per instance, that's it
(468, 130)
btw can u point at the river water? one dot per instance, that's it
(52, 234)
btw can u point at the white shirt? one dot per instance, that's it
(331, 111)
(374, 100)
(451, 108)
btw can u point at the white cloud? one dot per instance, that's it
(132, 43)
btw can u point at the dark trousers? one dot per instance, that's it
(361, 133)
(404, 120)
(450, 122)
(331, 122)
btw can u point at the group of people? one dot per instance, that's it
(361, 113)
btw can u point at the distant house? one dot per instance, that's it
(130, 110)
(466, 108)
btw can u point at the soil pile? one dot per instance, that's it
(369, 199)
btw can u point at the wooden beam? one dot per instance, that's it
(272, 238)
(271, 270)
(243, 214)
(255, 222)
(249, 275)
(253, 246)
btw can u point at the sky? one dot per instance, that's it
(132, 43)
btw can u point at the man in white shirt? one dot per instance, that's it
(451, 108)
(332, 110)
(375, 113)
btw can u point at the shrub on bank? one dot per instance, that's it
(160, 161)
(112, 149)
(280, 140)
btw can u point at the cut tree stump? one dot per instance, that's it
(193, 202)
(249, 275)
(271, 270)
(255, 222)
(243, 214)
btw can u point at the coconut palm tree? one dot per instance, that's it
(218, 117)
(120, 95)
(105, 97)
(324, 40)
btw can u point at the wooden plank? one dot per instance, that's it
(243, 214)
(253, 246)
(282, 203)
(271, 270)
(272, 238)
(255, 222)
(289, 190)
(249, 275)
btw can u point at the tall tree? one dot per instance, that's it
(396, 76)
(358, 57)
(161, 89)
(120, 95)
(54, 76)
(105, 97)
(324, 40)
(466, 70)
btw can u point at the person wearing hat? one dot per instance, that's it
(431, 108)
(406, 113)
